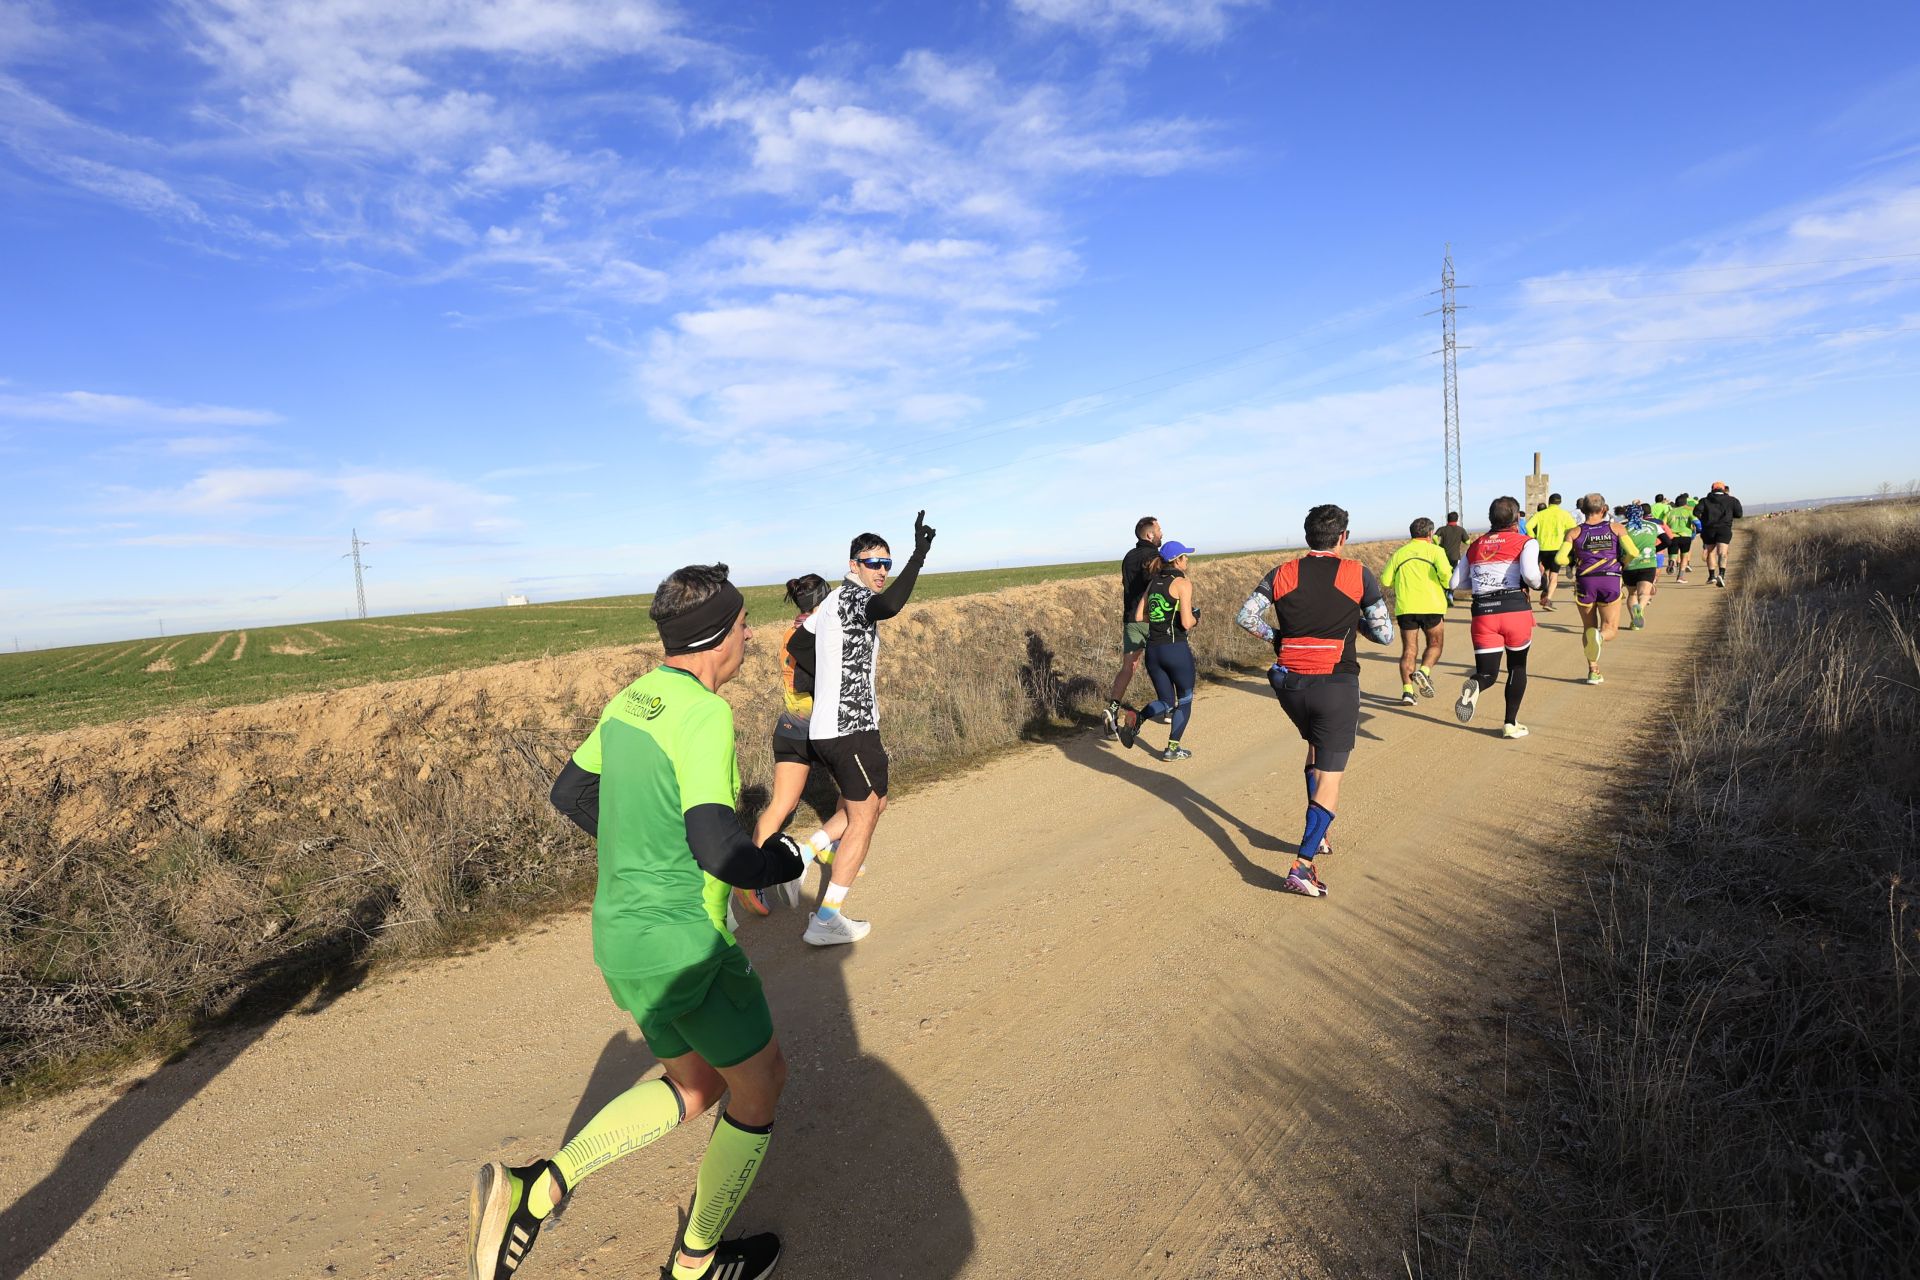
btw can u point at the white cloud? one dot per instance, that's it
(104, 409)
(407, 505)
(1190, 21)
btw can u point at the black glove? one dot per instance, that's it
(1196, 613)
(922, 534)
(781, 843)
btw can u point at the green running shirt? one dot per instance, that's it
(1551, 527)
(663, 745)
(1418, 575)
(1645, 540)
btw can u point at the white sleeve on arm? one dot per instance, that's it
(1529, 564)
(1459, 575)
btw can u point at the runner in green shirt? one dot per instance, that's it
(1639, 574)
(655, 783)
(1419, 575)
(1680, 537)
(1551, 529)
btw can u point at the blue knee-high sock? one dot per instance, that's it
(1319, 818)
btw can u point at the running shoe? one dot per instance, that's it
(1513, 731)
(1303, 879)
(1112, 719)
(1639, 618)
(753, 900)
(1176, 753)
(1424, 683)
(838, 931)
(792, 891)
(748, 1258)
(500, 1227)
(1594, 677)
(1469, 698)
(1127, 725)
(1407, 699)
(1325, 848)
(1548, 606)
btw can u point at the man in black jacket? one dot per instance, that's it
(1133, 635)
(1716, 514)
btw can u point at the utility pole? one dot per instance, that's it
(359, 579)
(1456, 491)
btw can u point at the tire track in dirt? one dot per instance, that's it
(212, 649)
(239, 649)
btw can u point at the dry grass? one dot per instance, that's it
(1724, 1077)
(141, 903)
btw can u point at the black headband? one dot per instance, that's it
(705, 625)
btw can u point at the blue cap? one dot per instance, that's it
(1174, 550)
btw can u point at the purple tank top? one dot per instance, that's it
(1596, 551)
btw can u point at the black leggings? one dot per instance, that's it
(1487, 670)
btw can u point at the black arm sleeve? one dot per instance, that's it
(894, 598)
(802, 647)
(576, 794)
(726, 852)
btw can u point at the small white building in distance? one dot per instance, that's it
(516, 598)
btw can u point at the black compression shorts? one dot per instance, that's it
(1419, 621)
(1633, 577)
(857, 761)
(790, 744)
(1326, 711)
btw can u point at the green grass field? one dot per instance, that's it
(93, 684)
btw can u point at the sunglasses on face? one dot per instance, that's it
(876, 562)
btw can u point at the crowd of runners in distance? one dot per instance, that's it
(657, 785)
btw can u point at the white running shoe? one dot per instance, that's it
(1469, 698)
(843, 928)
(791, 891)
(1513, 731)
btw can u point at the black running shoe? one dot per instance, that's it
(1126, 722)
(747, 1258)
(500, 1228)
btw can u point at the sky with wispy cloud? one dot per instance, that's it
(555, 295)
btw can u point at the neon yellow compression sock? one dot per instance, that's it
(726, 1175)
(1592, 644)
(636, 1118)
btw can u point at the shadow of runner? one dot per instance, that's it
(313, 974)
(1093, 753)
(861, 1180)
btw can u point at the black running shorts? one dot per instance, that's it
(857, 761)
(1549, 559)
(1678, 546)
(1419, 621)
(1633, 577)
(1716, 537)
(1326, 711)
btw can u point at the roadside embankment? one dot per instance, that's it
(1722, 1075)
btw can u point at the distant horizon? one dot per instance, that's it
(211, 627)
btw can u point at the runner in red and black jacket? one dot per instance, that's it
(1320, 602)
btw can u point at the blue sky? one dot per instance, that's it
(555, 295)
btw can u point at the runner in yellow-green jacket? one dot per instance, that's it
(1418, 575)
(1551, 528)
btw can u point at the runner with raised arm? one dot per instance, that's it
(1499, 567)
(1601, 549)
(845, 726)
(793, 756)
(1419, 575)
(1133, 635)
(1319, 602)
(655, 784)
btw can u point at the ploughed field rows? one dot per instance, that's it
(95, 684)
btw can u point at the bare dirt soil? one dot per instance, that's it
(1089, 1034)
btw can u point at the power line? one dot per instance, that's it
(1711, 293)
(1715, 337)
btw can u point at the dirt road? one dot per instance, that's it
(1088, 1031)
